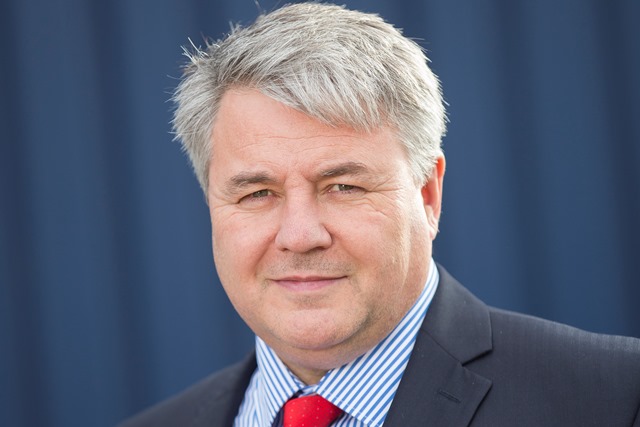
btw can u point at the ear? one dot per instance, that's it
(432, 196)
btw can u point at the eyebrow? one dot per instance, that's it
(243, 180)
(237, 183)
(347, 168)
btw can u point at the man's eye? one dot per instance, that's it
(258, 194)
(343, 187)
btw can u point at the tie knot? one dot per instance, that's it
(310, 411)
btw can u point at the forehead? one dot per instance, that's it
(253, 131)
(248, 116)
(260, 114)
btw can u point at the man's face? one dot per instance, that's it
(321, 237)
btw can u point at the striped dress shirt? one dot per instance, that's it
(363, 389)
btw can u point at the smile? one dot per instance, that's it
(306, 283)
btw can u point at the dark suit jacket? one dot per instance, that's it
(472, 365)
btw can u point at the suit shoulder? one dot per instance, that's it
(540, 372)
(553, 374)
(556, 347)
(557, 335)
(219, 395)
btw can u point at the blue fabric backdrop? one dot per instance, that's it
(108, 296)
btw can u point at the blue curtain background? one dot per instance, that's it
(108, 296)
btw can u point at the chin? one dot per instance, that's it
(318, 354)
(314, 339)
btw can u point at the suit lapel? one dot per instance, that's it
(436, 388)
(220, 403)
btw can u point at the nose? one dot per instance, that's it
(301, 228)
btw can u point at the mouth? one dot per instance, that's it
(307, 283)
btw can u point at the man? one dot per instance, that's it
(315, 134)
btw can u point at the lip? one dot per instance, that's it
(307, 283)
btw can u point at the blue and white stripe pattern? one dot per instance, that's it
(363, 389)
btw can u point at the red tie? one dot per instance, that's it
(310, 411)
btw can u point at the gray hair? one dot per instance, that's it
(339, 66)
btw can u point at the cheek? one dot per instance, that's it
(380, 243)
(237, 249)
(400, 243)
(235, 261)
